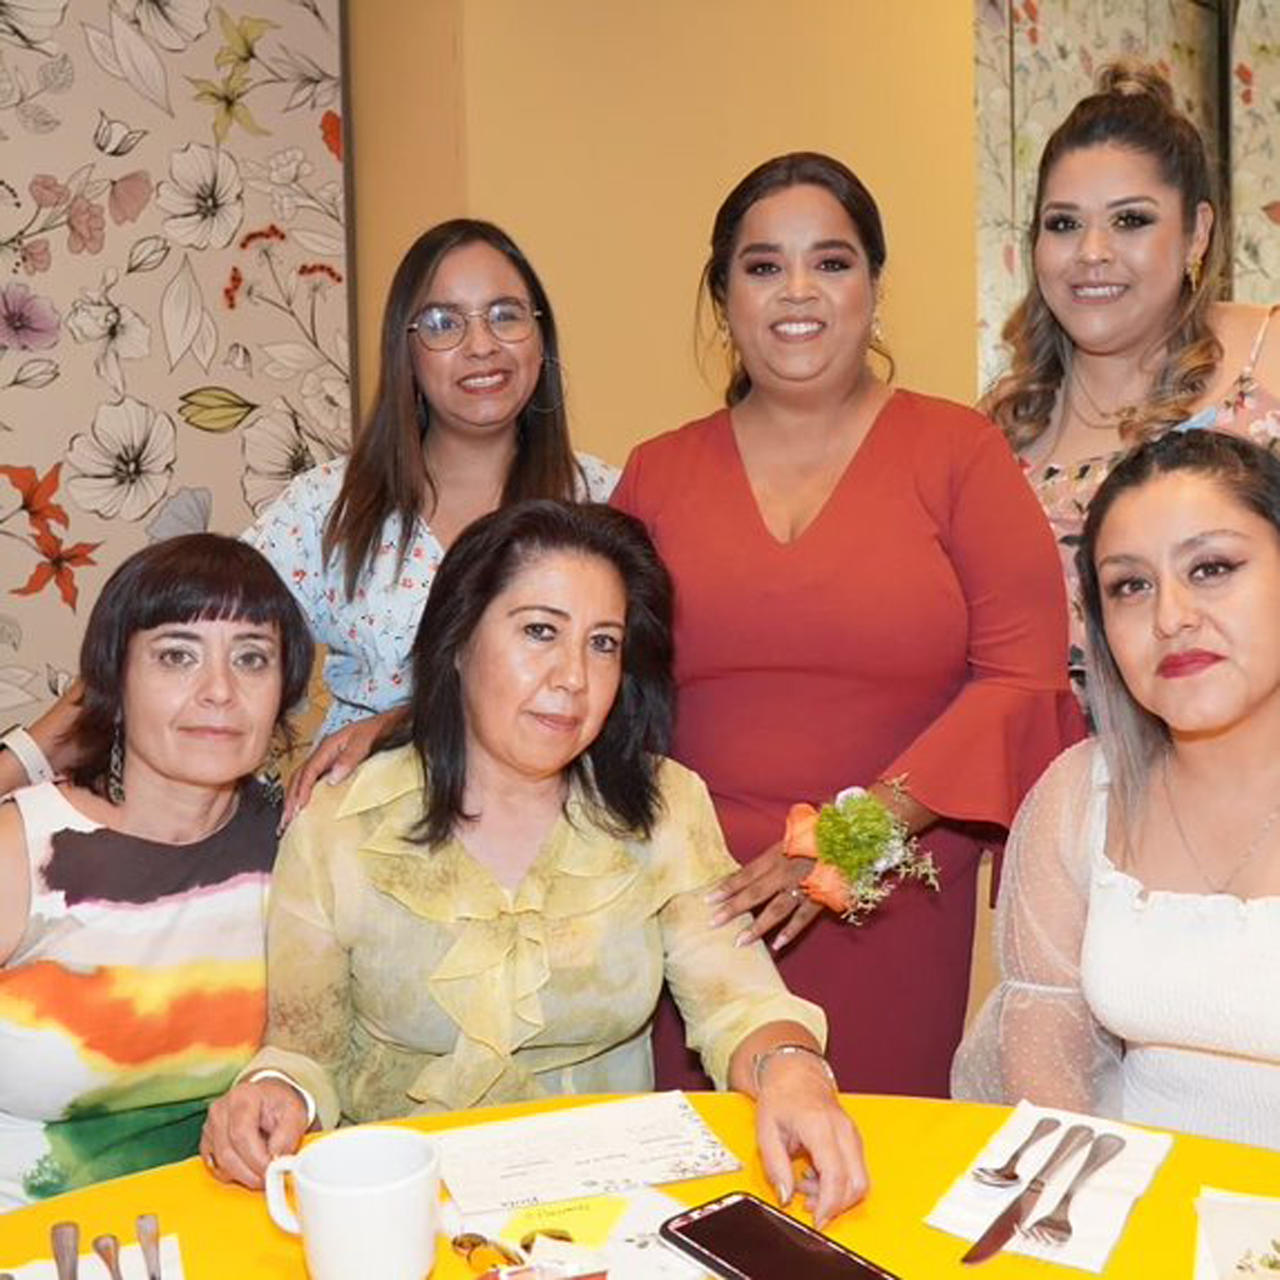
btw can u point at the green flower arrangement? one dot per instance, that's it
(861, 851)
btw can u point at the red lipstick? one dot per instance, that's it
(1189, 662)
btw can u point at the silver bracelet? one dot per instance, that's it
(26, 751)
(761, 1060)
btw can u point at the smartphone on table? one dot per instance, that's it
(741, 1237)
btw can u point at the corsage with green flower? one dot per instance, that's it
(861, 851)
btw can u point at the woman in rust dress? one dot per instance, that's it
(867, 591)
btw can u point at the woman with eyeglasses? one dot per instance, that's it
(469, 415)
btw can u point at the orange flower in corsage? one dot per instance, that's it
(857, 844)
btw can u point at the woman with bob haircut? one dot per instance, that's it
(469, 415)
(132, 897)
(868, 596)
(1138, 931)
(487, 911)
(1120, 334)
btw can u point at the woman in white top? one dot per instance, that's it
(1139, 924)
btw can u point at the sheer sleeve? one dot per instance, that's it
(1015, 712)
(309, 1013)
(724, 992)
(1035, 1036)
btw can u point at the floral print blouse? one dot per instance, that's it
(368, 637)
(1251, 410)
(405, 980)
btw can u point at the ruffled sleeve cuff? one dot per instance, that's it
(977, 760)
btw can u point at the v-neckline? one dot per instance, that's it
(842, 480)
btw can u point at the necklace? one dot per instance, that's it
(1240, 863)
(1107, 419)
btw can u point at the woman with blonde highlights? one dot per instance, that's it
(1139, 924)
(1119, 336)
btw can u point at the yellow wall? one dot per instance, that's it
(603, 134)
(404, 68)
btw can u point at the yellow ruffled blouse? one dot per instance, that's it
(404, 980)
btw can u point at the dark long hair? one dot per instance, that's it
(797, 169)
(197, 577)
(618, 770)
(1132, 737)
(1133, 107)
(386, 474)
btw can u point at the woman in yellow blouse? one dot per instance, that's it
(487, 912)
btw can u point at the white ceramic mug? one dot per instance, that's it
(369, 1203)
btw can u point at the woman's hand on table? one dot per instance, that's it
(249, 1126)
(773, 880)
(336, 757)
(798, 1113)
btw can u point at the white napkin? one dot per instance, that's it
(1233, 1226)
(1099, 1210)
(92, 1267)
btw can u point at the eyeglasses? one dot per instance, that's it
(441, 327)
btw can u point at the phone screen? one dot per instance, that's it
(764, 1244)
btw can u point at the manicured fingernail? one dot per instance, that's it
(716, 895)
(784, 1195)
(744, 939)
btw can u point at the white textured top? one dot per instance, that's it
(367, 669)
(1153, 1006)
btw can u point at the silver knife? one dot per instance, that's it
(998, 1234)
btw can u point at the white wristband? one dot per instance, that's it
(268, 1074)
(26, 750)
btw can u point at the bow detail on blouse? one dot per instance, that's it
(490, 980)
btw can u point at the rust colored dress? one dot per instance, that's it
(915, 628)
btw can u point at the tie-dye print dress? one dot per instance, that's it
(136, 993)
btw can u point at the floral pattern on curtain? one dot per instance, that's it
(1255, 152)
(1034, 60)
(173, 289)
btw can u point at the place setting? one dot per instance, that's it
(1053, 1185)
(77, 1255)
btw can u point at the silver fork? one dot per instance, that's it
(1055, 1226)
(1007, 1174)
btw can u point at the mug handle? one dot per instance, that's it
(277, 1201)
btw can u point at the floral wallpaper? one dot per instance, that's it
(173, 289)
(1034, 59)
(1255, 151)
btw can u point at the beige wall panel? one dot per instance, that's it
(604, 134)
(405, 59)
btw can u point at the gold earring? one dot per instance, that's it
(877, 330)
(1194, 269)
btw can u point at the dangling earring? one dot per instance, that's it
(1194, 269)
(722, 333)
(271, 782)
(552, 367)
(115, 764)
(877, 330)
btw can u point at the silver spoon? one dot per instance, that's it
(65, 1238)
(149, 1242)
(108, 1249)
(1007, 1174)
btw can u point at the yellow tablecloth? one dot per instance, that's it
(915, 1148)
